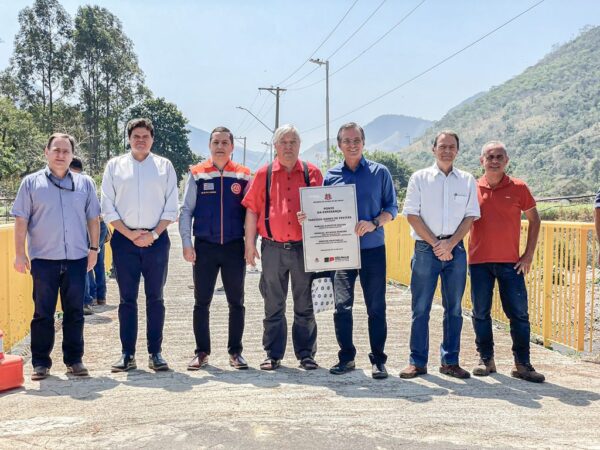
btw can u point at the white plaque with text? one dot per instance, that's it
(330, 242)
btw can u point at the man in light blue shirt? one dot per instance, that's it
(139, 199)
(440, 206)
(56, 209)
(376, 205)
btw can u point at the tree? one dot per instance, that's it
(21, 144)
(109, 78)
(170, 132)
(399, 170)
(42, 61)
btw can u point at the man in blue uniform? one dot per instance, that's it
(212, 199)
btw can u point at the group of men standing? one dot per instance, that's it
(224, 210)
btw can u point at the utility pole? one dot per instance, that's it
(275, 91)
(270, 146)
(326, 63)
(244, 138)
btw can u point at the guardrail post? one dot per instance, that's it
(548, 269)
(580, 337)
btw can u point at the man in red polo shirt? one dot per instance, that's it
(494, 255)
(274, 216)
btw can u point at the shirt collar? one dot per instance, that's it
(361, 163)
(483, 182)
(139, 162)
(48, 172)
(278, 166)
(209, 163)
(436, 170)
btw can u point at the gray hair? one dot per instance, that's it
(283, 130)
(489, 144)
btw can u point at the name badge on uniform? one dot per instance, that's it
(209, 186)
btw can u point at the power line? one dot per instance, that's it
(388, 92)
(343, 43)
(320, 45)
(243, 121)
(406, 16)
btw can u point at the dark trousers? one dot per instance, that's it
(49, 278)
(229, 259)
(131, 262)
(96, 278)
(372, 280)
(513, 295)
(278, 266)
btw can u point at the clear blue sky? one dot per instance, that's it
(209, 57)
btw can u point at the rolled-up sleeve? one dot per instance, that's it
(22, 205)
(92, 209)
(108, 195)
(171, 196)
(187, 212)
(390, 201)
(412, 201)
(472, 209)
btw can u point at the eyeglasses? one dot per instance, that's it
(72, 188)
(356, 141)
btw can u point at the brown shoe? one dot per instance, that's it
(40, 373)
(237, 361)
(199, 361)
(527, 372)
(454, 370)
(78, 369)
(412, 371)
(484, 368)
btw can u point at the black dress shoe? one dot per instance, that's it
(78, 369)
(127, 362)
(342, 367)
(40, 373)
(379, 372)
(237, 361)
(157, 363)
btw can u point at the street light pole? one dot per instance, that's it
(252, 114)
(275, 91)
(326, 63)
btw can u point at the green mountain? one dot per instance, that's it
(548, 117)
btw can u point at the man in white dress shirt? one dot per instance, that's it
(440, 205)
(139, 199)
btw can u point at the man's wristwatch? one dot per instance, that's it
(94, 249)
(154, 235)
(375, 222)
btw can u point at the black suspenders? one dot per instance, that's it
(268, 194)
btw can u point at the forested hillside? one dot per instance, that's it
(548, 116)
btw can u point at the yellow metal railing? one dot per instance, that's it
(561, 283)
(16, 303)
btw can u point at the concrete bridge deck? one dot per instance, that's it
(290, 408)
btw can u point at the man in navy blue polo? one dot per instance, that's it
(213, 199)
(377, 205)
(56, 209)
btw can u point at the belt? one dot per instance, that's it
(285, 245)
(444, 236)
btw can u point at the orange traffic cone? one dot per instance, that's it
(11, 369)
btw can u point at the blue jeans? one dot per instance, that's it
(426, 269)
(372, 280)
(513, 295)
(50, 277)
(96, 278)
(131, 262)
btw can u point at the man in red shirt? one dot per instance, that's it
(494, 255)
(272, 212)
